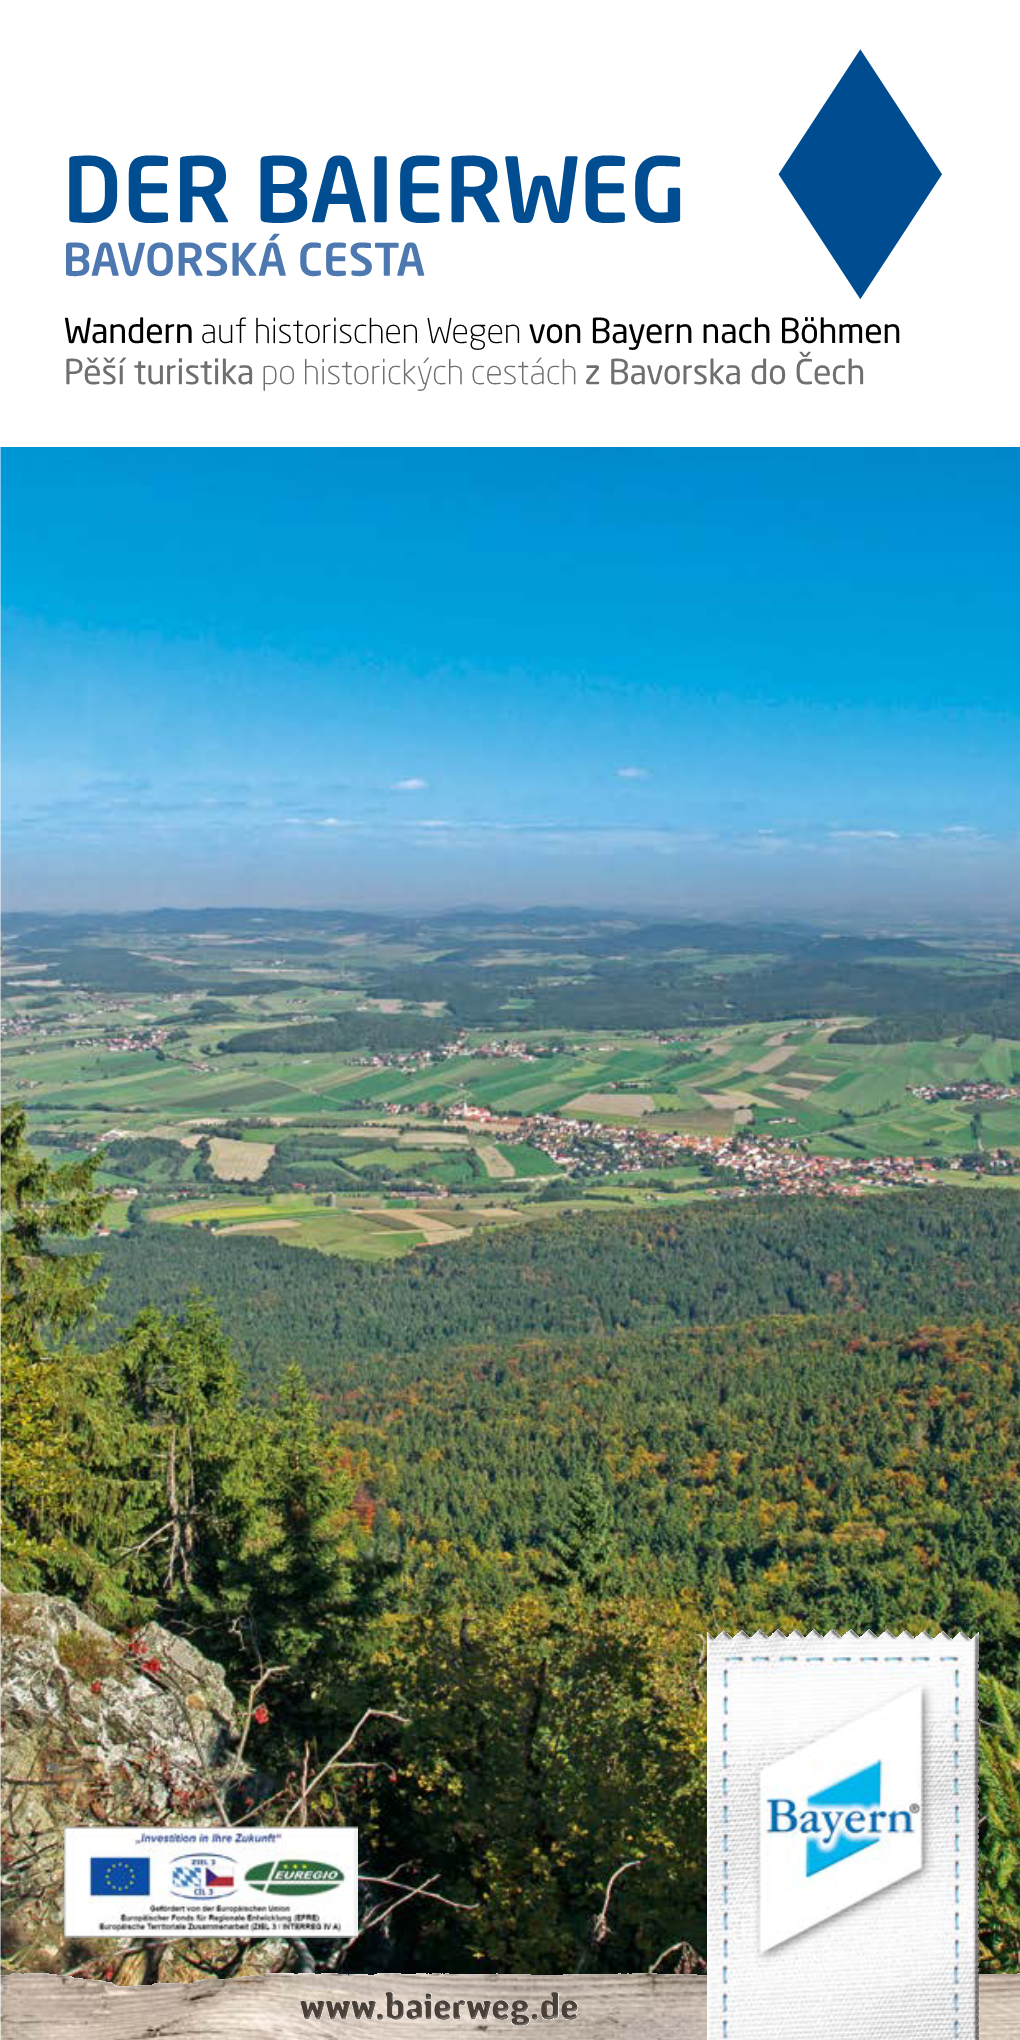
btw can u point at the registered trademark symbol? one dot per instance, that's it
(915, 1808)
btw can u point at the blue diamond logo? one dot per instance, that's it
(863, 1789)
(860, 174)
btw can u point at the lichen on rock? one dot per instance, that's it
(101, 1731)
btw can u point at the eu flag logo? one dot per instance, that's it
(119, 1877)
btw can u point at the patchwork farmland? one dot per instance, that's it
(365, 1091)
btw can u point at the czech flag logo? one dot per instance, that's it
(202, 1876)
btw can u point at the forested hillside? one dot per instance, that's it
(814, 979)
(530, 1474)
(919, 1256)
(372, 1033)
(562, 969)
(784, 1468)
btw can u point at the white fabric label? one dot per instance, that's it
(842, 1837)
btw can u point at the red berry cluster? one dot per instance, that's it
(137, 1647)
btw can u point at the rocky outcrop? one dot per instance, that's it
(102, 1731)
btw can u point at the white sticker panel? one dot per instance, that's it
(842, 1837)
(170, 1883)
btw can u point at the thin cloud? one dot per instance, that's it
(409, 786)
(632, 772)
(867, 835)
(317, 822)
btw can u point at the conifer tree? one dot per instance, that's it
(184, 1387)
(583, 1554)
(999, 1765)
(298, 1564)
(73, 1499)
(46, 1294)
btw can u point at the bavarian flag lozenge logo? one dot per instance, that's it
(290, 1876)
(202, 1877)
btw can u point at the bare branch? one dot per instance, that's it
(331, 1764)
(600, 1927)
(270, 1672)
(690, 1963)
(381, 1913)
(127, 1550)
(456, 1904)
(376, 1918)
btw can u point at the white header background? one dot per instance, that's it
(730, 89)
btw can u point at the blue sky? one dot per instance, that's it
(720, 680)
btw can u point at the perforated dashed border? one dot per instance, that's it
(857, 1657)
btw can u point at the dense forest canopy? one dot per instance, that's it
(667, 994)
(924, 1254)
(791, 1464)
(370, 1033)
(505, 1492)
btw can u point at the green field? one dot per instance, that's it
(805, 1086)
(527, 1161)
(299, 1222)
(148, 1073)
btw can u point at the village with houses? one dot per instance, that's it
(588, 1150)
(365, 1121)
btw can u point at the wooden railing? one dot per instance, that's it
(270, 2008)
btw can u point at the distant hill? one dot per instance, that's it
(940, 1253)
(549, 968)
